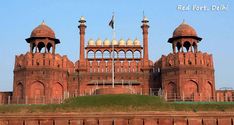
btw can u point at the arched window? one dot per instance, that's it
(187, 45)
(129, 54)
(49, 45)
(121, 54)
(115, 54)
(98, 54)
(106, 54)
(90, 54)
(195, 47)
(40, 46)
(137, 54)
(178, 45)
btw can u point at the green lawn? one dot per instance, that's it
(120, 103)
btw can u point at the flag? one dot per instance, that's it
(111, 23)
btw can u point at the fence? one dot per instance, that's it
(129, 90)
(198, 97)
(36, 100)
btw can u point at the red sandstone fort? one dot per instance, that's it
(43, 76)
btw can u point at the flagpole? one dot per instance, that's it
(113, 33)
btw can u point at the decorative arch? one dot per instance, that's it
(137, 54)
(129, 54)
(115, 54)
(37, 90)
(90, 54)
(106, 54)
(121, 54)
(98, 54)
(40, 46)
(178, 45)
(171, 90)
(209, 89)
(187, 45)
(20, 90)
(49, 46)
(57, 90)
(190, 88)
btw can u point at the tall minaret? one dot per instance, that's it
(82, 27)
(145, 27)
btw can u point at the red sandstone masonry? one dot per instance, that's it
(150, 121)
(105, 122)
(138, 118)
(194, 121)
(225, 121)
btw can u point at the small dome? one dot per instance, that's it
(184, 30)
(145, 18)
(91, 42)
(136, 42)
(99, 42)
(114, 42)
(129, 42)
(106, 42)
(82, 18)
(122, 42)
(43, 31)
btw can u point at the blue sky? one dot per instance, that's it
(19, 18)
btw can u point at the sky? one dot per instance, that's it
(215, 25)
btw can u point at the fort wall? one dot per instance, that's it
(123, 118)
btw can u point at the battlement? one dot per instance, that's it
(187, 59)
(34, 60)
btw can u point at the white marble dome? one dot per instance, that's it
(82, 18)
(114, 42)
(145, 18)
(106, 42)
(122, 42)
(99, 42)
(129, 42)
(91, 42)
(136, 42)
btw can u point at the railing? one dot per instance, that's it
(198, 97)
(131, 90)
(36, 100)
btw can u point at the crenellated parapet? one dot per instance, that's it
(42, 60)
(191, 59)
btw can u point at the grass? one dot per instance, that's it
(118, 103)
